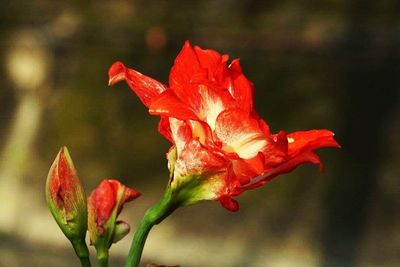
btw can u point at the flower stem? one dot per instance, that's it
(102, 262)
(85, 262)
(82, 252)
(153, 216)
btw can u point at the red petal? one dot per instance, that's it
(144, 87)
(210, 103)
(103, 199)
(240, 133)
(164, 128)
(180, 132)
(229, 203)
(241, 88)
(129, 195)
(309, 140)
(288, 166)
(214, 63)
(197, 159)
(186, 68)
(276, 150)
(169, 105)
(64, 185)
(246, 169)
(207, 58)
(202, 132)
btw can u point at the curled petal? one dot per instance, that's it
(144, 87)
(229, 203)
(309, 140)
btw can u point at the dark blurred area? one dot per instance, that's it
(331, 64)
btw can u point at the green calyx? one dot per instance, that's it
(188, 189)
(193, 188)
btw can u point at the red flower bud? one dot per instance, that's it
(66, 198)
(104, 204)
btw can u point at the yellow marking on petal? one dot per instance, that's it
(211, 108)
(247, 145)
(198, 131)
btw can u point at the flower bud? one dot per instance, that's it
(104, 205)
(121, 230)
(66, 198)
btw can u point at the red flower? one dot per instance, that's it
(104, 204)
(221, 147)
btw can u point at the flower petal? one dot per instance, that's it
(214, 63)
(240, 134)
(200, 174)
(246, 169)
(144, 87)
(164, 128)
(241, 88)
(180, 132)
(169, 105)
(186, 69)
(211, 103)
(229, 203)
(309, 140)
(306, 157)
(102, 201)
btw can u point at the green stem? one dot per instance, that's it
(85, 262)
(152, 217)
(82, 252)
(102, 261)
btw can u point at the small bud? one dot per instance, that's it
(104, 204)
(121, 230)
(66, 198)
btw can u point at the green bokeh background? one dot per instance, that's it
(331, 64)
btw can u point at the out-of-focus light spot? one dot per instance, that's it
(314, 34)
(27, 61)
(320, 30)
(156, 38)
(66, 24)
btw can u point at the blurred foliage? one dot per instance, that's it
(331, 64)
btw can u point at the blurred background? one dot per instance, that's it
(331, 64)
